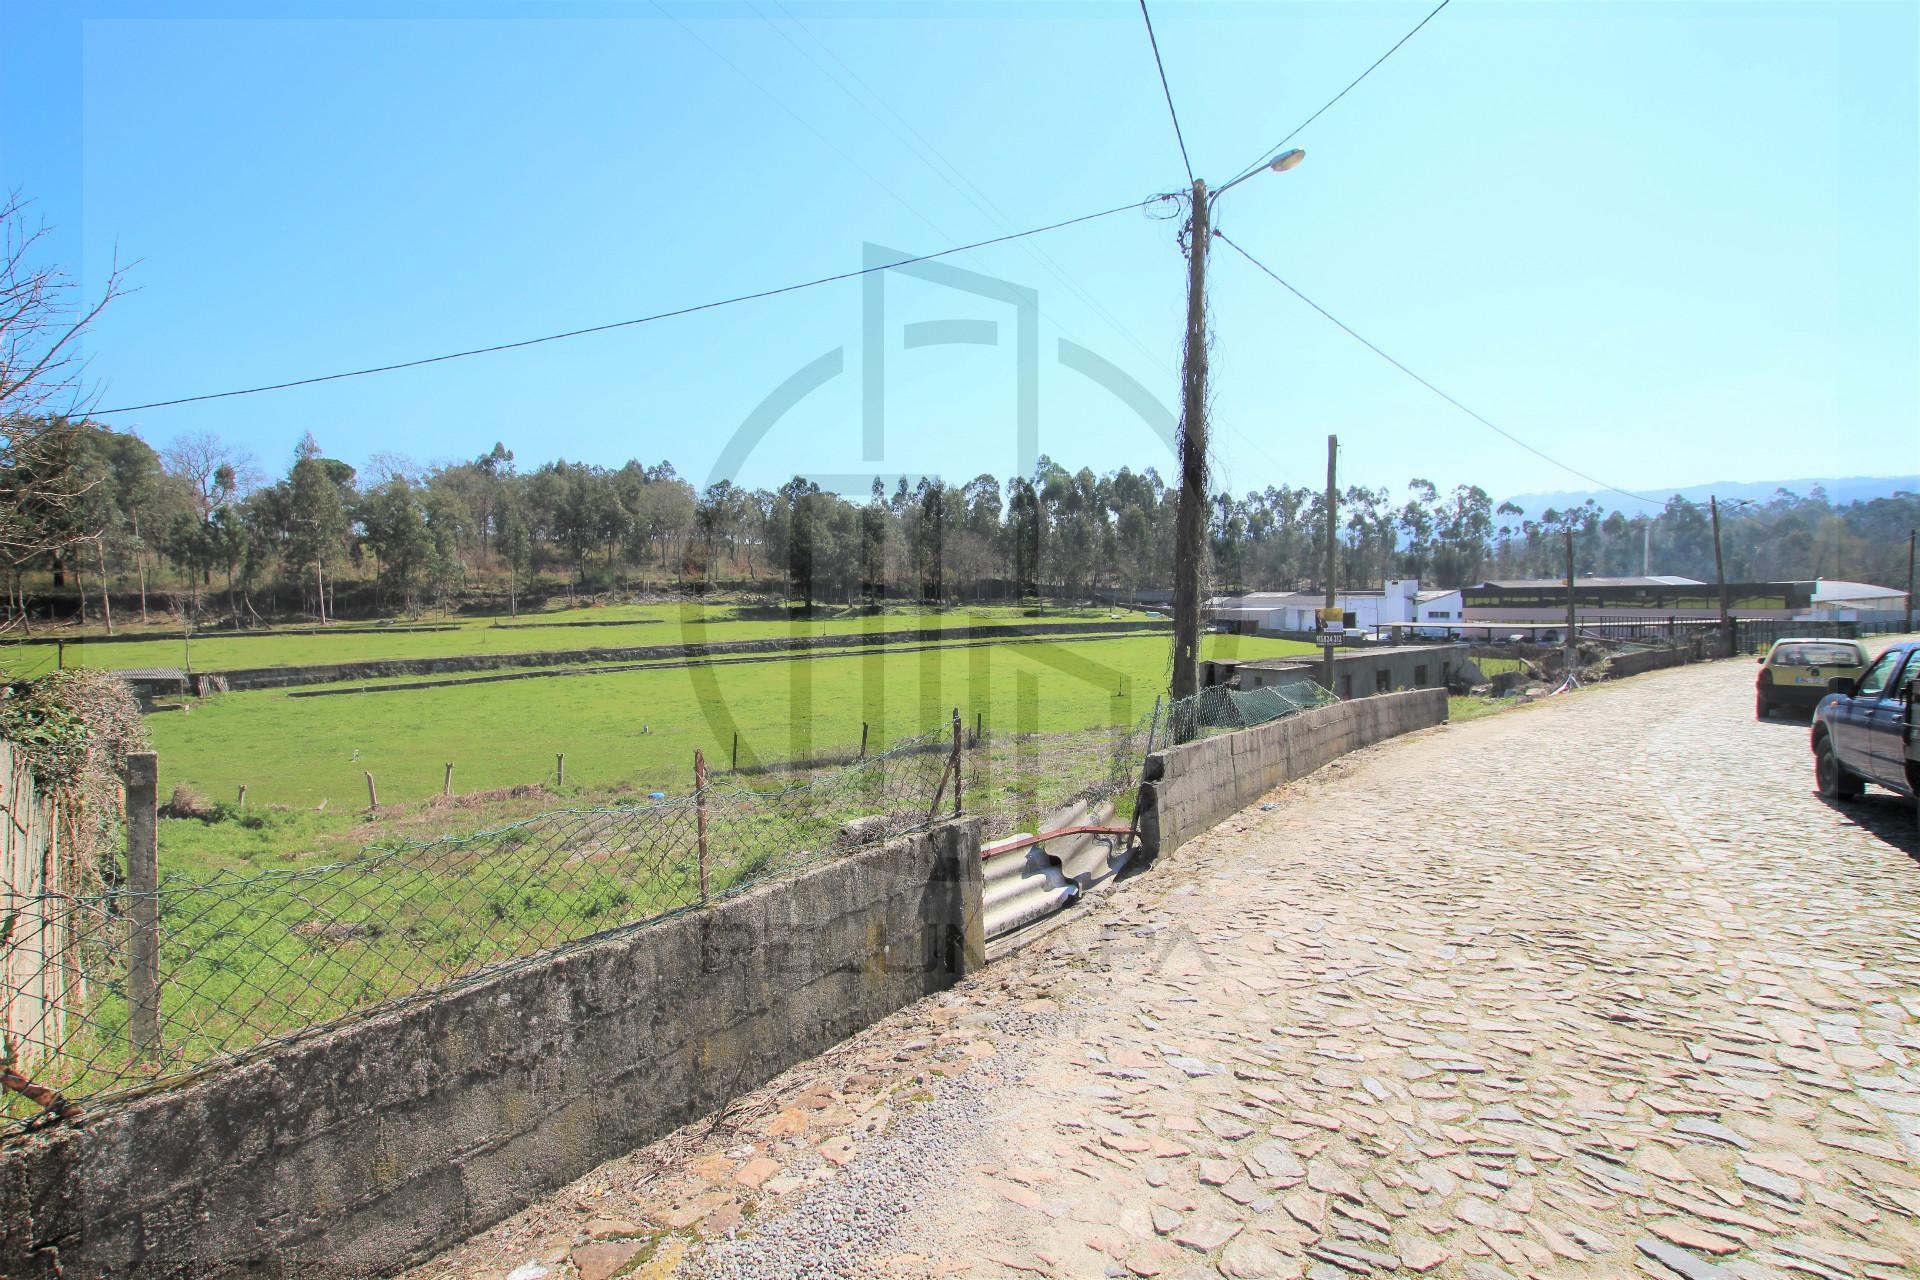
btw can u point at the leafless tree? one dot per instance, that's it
(40, 392)
(214, 471)
(386, 465)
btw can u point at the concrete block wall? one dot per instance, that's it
(1632, 664)
(353, 1153)
(1191, 787)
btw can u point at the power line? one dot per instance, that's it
(1164, 88)
(973, 194)
(959, 181)
(1496, 428)
(1265, 155)
(627, 324)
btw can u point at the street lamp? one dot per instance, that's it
(1287, 159)
(1189, 530)
(1279, 164)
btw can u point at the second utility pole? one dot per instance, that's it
(1573, 615)
(1190, 512)
(1908, 624)
(1720, 576)
(1333, 552)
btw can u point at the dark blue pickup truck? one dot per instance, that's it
(1864, 730)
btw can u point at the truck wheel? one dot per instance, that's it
(1834, 781)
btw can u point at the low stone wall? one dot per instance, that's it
(1191, 787)
(1633, 664)
(379, 669)
(353, 1153)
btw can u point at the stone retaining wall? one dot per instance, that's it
(356, 1152)
(1191, 787)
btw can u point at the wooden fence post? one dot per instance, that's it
(863, 739)
(373, 793)
(446, 784)
(143, 904)
(243, 797)
(736, 751)
(560, 769)
(700, 813)
(959, 762)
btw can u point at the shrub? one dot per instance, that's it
(185, 802)
(75, 728)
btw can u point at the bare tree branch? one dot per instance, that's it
(40, 364)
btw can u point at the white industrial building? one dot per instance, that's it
(1401, 603)
(1401, 608)
(1838, 601)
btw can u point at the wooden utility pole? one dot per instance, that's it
(1720, 576)
(1908, 624)
(1572, 612)
(1333, 562)
(1190, 512)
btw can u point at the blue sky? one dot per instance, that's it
(1666, 243)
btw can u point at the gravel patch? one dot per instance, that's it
(837, 1228)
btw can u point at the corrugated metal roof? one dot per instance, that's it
(1536, 584)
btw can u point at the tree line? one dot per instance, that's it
(198, 526)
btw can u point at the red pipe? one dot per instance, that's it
(1021, 842)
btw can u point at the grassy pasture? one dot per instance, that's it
(638, 729)
(644, 625)
(305, 927)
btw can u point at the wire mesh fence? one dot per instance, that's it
(1220, 709)
(1016, 782)
(250, 961)
(245, 962)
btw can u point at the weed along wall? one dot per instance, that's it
(1191, 787)
(354, 1152)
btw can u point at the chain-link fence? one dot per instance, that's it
(154, 987)
(1219, 709)
(249, 961)
(1016, 782)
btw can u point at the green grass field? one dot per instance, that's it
(307, 926)
(624, 734)
(640, 728)
(646, 625)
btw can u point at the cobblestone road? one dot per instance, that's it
(1594, 988)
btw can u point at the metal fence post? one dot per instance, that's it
(143, 906)
(700, 813)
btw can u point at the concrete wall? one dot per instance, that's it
(290, 677)
(1632, 664)
(1190, 788)
(353, 1153)
(1361, 672)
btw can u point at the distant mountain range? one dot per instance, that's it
(1840, 491)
